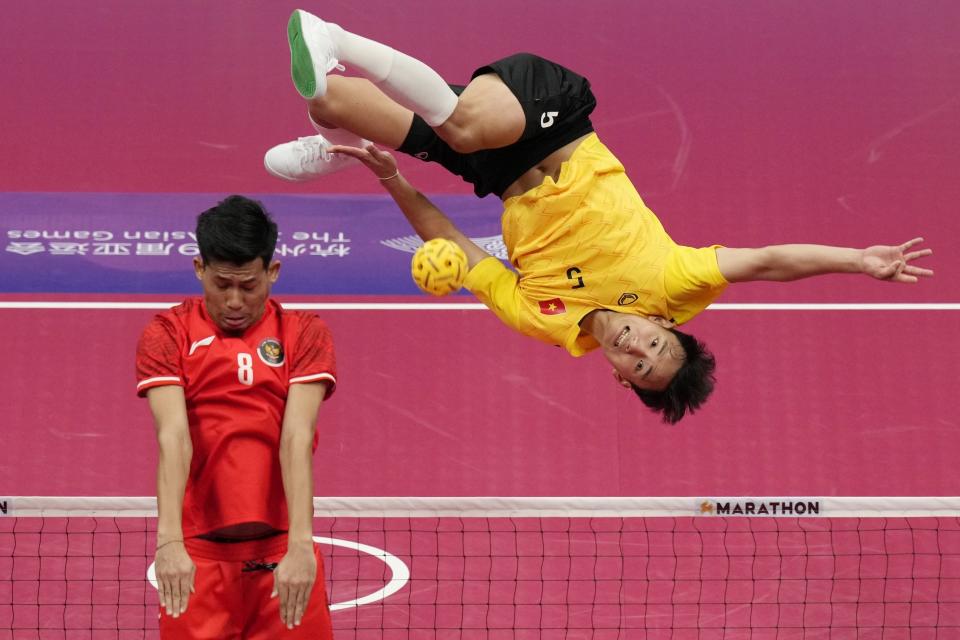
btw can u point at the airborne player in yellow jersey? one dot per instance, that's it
(594, 266)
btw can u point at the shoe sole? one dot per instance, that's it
(301, 64)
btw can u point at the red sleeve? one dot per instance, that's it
(313, 357)
(158, 356)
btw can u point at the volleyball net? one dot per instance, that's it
(645, 568)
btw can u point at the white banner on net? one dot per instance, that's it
(531, 507)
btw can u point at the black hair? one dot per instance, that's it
(237, 230)
(690, 387)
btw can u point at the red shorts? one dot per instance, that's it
(232, 595)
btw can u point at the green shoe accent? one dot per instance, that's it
(301, 66)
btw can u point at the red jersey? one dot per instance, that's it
(236, 391)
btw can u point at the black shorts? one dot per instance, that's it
(557, 104)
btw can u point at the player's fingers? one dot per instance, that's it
(889, 271)
(291, 608)
(303, 597)
(186, 587)
(913, 255)
(175, 602)
(375, 151)
(284, 594)
(899, 274)
(162, 590)
(909, 243)
(169, 591)
(296, 605)
(297, 613)
(380, 155)
(918, 271)
(353, 152)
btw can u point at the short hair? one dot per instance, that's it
(690, 387)
(237, 230)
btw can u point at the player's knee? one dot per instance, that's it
(327, 106)
(462, 139)
(320, 112)
(319, 118)
(472, 127)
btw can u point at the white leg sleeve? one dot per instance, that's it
(406, 80)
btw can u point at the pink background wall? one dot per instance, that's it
(742, 123)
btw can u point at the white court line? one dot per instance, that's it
(472, 306)
(400, 572)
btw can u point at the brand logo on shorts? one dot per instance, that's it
(271, 352)
(547, 118)
(423, 155)
(627, 298)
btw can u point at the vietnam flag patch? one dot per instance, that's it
(552, 307)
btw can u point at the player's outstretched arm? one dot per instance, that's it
(174, 568)
(795, 261)
(426, 219)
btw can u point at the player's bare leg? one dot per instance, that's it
(352, 112)
(487, 115)
(358, 106)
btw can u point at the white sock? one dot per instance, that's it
(407, 80)
(339, 135)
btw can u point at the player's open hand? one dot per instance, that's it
(293, 581)
(893, 263)
(381, 162)
(175, 575)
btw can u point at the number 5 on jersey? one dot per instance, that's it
(245, 368)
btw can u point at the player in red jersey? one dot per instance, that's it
(235, 384)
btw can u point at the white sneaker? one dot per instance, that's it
(312, 53)
(305, 159)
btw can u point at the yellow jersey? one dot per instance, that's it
(584, 242)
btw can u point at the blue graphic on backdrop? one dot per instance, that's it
(144, 243)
